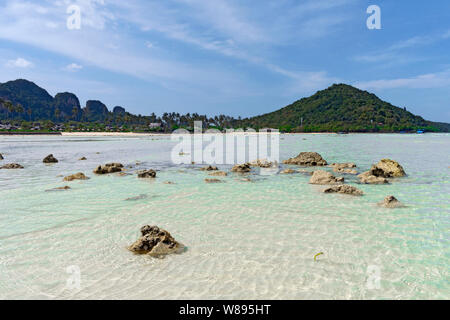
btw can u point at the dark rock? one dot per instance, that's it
(241, 168)
(109, 168)
(156, 242)
(209, 168)
(12, 166)
(82, 159)
(119, 110)
(147, 174)
(50, 159)
(1, 157)
(307, 159)
(66, 103)
(344, 189)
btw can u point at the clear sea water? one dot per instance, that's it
(246, 240)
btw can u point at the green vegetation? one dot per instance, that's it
(24, 106)
(343, 108)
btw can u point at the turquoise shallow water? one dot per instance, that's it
(245, 240)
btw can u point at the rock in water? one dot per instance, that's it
(12, 166)
(76, 176)
(209, 168)
(368, 178)
(213, 181)
(218, 174)
(50, 159)
(391, 202)
(147, 174)
(241, 168)
(156, 242)
(1, 157)
(109, 168)
(387, 168)
(343, 165)
(262, 163)
(324, 177)
(288, 171)
(59, 189)
(311, 159)
(344, 189)
(82, 159)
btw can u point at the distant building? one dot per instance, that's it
(154, 125)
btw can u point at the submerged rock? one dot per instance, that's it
(387, 168)
(345, 170)
(82, 159)
(324, 177)
(169, 182)
(209, 168)
(12, 166)
(1, 157)
(218, 174)
(156, 242)
(76, 176)
(213, 181)
(391, 202)
(50, 159)
(59, 189)
(109, 168)
(288, 171)
(146, 174)
(311, 159)
(344, 189)
(343, 165)
(241, 168)
(139, 197)
(368, 178)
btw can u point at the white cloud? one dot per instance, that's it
(424, 81)
(19, 63)
(73, 67)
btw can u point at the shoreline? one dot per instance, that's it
(138, 134)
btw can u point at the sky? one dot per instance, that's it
(239, 58)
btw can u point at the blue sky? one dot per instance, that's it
(227, 56)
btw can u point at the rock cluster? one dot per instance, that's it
(12, 166)
(109, 168)
(311, 159)
(146, 174)
(76, 176)
(378, 173)
(50, 159)
(344, 189)
(324, 177)
(156, 242)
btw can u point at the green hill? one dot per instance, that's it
(342, 108)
